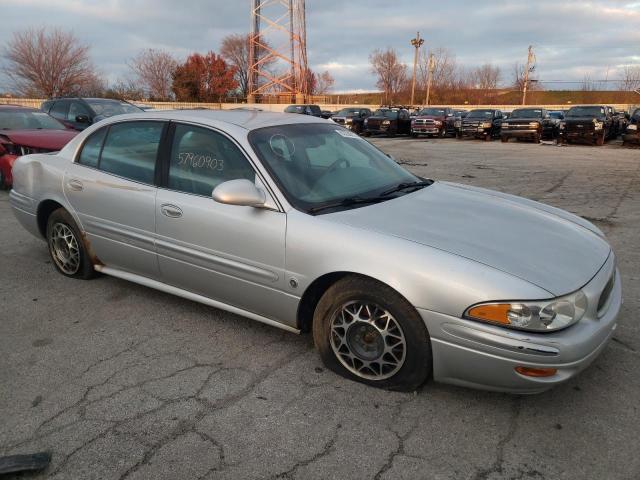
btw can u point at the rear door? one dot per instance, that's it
(232, 254)
(112, 188)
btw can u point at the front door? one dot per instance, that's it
(111, 188)
(232, 254)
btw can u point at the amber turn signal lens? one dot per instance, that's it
(536, 372)
(496, 312)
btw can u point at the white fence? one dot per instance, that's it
(279, 107)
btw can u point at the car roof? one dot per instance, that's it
(246, 119)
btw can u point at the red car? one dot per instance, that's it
(24, 131)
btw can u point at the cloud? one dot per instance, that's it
(571, 38)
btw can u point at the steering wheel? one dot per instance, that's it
(332, 168)
(336, 164)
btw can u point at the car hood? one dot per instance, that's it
(581, 119)
(545, 246)
(48, 139)
(521, 120)
(430, 117)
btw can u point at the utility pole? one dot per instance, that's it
(417, 43)
(531, 58)
(430, 68)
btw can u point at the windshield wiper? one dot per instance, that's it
(347, 202)
(405, 186)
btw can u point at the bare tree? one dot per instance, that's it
(392, 73)
(235, 50)
(324, 82)
(126, 89)
(486, 79)
(444, 72)
(630, 78)
(48, 63)
(154, 71)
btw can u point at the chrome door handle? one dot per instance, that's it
(170, 211)
(75, 184)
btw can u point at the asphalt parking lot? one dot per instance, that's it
(121, 381)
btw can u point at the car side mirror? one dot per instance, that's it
(241, 192)
(82, 119)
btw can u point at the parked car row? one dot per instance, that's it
(592, 123)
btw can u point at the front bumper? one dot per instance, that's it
(478, 355)
(631, 138)
(520, 133)
(475, 132)
(586, 135)
(426, 130)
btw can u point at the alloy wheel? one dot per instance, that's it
(368, 340)
(64, 248)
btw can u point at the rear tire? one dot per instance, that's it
(66, 246)
(504, 139)
(367, 332)
(600, 139)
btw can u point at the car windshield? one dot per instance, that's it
(557, 115)
(316, 165)
(28, 120)
(480, 114)
(392, 114)
(526, 113)
(585, 112)
(109, 108)
(436, 112)
(347, 112)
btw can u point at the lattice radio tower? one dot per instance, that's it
(278, 51)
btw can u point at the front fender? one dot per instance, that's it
(428, 278)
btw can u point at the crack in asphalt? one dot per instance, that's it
(498, 464)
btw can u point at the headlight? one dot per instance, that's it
(597, 125)
(563, 125)
(386, 122)
(541, 316)
(533, 124)
(366, 120)
(413, 121)
(437, 123)
(633, 127)
(486, 125)
(457, 124)
(348, 120)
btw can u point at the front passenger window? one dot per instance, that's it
(201, 159)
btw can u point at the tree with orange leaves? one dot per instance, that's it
(203, 78)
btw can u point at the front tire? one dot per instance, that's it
(66, 246)
(365, 331)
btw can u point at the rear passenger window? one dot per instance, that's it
(130, 150)
(202, 159)
(91, 149)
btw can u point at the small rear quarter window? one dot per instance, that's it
(91, 149)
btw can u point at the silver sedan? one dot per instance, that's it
(297, 222)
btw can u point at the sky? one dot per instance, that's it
(571, 39)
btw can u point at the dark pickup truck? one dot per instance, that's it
(352, 118)
(632, 133)
(483, 123)
(388, 121)
(592, 123)
(529, 123)
(433, 121)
